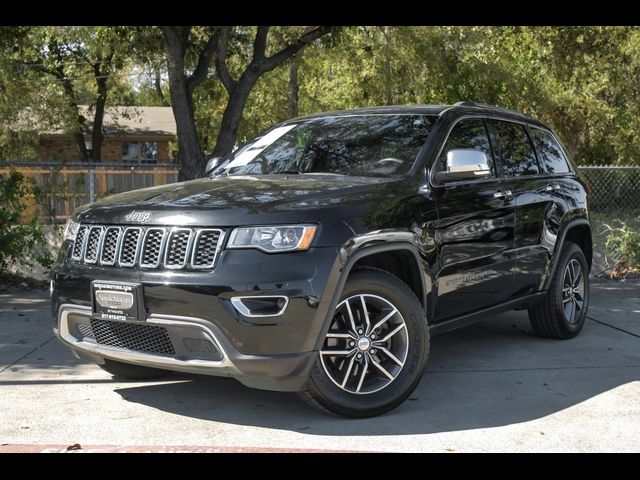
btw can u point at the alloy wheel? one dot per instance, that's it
(366, 346)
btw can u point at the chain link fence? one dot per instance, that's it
(612, 189)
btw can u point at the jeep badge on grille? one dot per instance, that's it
(136, 216)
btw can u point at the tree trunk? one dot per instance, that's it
(158, 86)
(230, 123)
(97, 135)
(293, 84)
(190, 155)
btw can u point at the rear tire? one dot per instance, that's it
(563, 311)
(129, 371)
(378, 362)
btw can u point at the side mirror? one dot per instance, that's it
(464, 164)
(212, 163)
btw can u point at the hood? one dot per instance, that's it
(233, 200)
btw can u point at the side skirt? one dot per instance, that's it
(469, 318)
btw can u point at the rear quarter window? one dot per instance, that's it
(549, 152)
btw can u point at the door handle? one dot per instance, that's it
(503, 195)
(552, 188)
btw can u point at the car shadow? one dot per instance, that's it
(490, 374)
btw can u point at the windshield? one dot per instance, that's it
(366, 145)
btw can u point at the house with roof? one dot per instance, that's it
(132, 135)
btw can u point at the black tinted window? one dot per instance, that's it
(514, 149)
(549, 151)
(467, 134)
(369, 145)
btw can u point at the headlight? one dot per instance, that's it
(71, 230)
(285, 238)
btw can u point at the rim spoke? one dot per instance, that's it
(365, 366)
(385, 318)
(392, 333)
(366, 315)
(390, 355)
(578, 278)
(337, 352)
(578, 296)
(572, 308)
(340, 335)
(567, 299)
(346, 375)
(570, 274)
(382, 369)
(351, 320)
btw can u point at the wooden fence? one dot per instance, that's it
(67, 186)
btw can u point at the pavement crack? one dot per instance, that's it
(27, 354)
(615, 328)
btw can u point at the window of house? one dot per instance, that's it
(143, 152)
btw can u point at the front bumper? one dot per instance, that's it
(270, 352)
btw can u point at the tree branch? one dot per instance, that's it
(221, 56)
(204, 60)
(305, 39)
(260, 43)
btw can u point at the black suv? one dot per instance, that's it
(320, 256)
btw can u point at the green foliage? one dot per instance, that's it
(581, 80)
(623, 245)
(20, 238)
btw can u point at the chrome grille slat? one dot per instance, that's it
(178, 248)
(206, 248)
(152, 246)
(93, 244)
(148, 247)
(129, 246)
(110, 245)
(78, 246)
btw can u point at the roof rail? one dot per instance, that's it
(468, 103)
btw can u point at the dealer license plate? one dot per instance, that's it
(117, 300)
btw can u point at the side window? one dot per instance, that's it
(549, 151)
(467, 134)
(514, 149)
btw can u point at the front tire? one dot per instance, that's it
(376, 349)
(562, 313)
(129, 371)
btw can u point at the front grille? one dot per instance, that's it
(152, 247)
(178, 248)
(78, 247)
(202, 346)
(133, 336)
(85, 330)
(93, 242)
(148, 247)
(110, 245)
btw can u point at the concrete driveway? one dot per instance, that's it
(489, 387)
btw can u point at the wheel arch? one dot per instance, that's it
(381, 255)
(577, 231)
